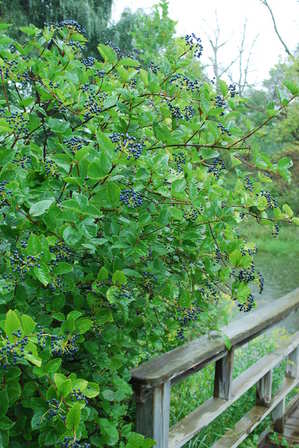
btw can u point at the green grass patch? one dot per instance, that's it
(286, 243)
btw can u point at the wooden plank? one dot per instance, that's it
(264, 390)
(188, 427)
(236, 435)
(152, 413)
(223, 376)
(207, 348)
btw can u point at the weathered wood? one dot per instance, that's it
(278, 416)
(152, 408)
(223, 376)
(207, 349)
(188, 427)
(292, 369)
(235, 436)
(264, 390)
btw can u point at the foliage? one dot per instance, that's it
(117, 229)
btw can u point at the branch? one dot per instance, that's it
(265, 2)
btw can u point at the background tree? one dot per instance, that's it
(92, 15)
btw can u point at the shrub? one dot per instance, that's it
(118, 227)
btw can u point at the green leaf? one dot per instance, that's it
(4, 402)
(109, 431)
(52, 366)
(28, 324)
(287, 210)
(12, 324)
(223, 87)
(39, 208)
(112, 294)
(92, 390)
(103, 274)
(73, 417)
(63, 268)
(83, 325)
(107, 53)
(128, 62)
(42, 274)
(262, 203)
(58, 126)
(292, 87)
(71, 236)
(100, 167)
(108, 395)
(136, 440)
(119, 278)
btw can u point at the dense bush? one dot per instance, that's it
(117, 229)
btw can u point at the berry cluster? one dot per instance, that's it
(224, 130)
(69, 442)
(77, 395)
(75, 143)
(216, 167)
(176, 112)
(131, 198)
(189, 113)
(93, 105)
(261, 282)
(194, 43)
(149, 280)
(72, 25)
(23, 162)
(272, 202)
(180, 160)
(115, 48)
(183, 81)
(59, 346)
(246, 307)
(275, 230)
(12, 352)
(232, 90)
(50, 168)
(191, 214)
(75, 45)
(19, 123)
(188, 315)
(248, 184)
(61, 253)
(89, 61)
(21, 264)
(220, 101)
(55, 410)
(154, 68)
(127, 144)
(247, 275)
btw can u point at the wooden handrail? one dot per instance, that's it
(152, 380)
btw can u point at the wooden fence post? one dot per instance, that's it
(264, 390)
(278, 416)
(223, 376)
(292, 370)
(152, 419)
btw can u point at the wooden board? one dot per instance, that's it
(190, 357)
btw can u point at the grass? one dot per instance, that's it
(198, 388)
(285, 244)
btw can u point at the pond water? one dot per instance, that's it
(281, 273)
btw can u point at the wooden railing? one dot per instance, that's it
(152, 381)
